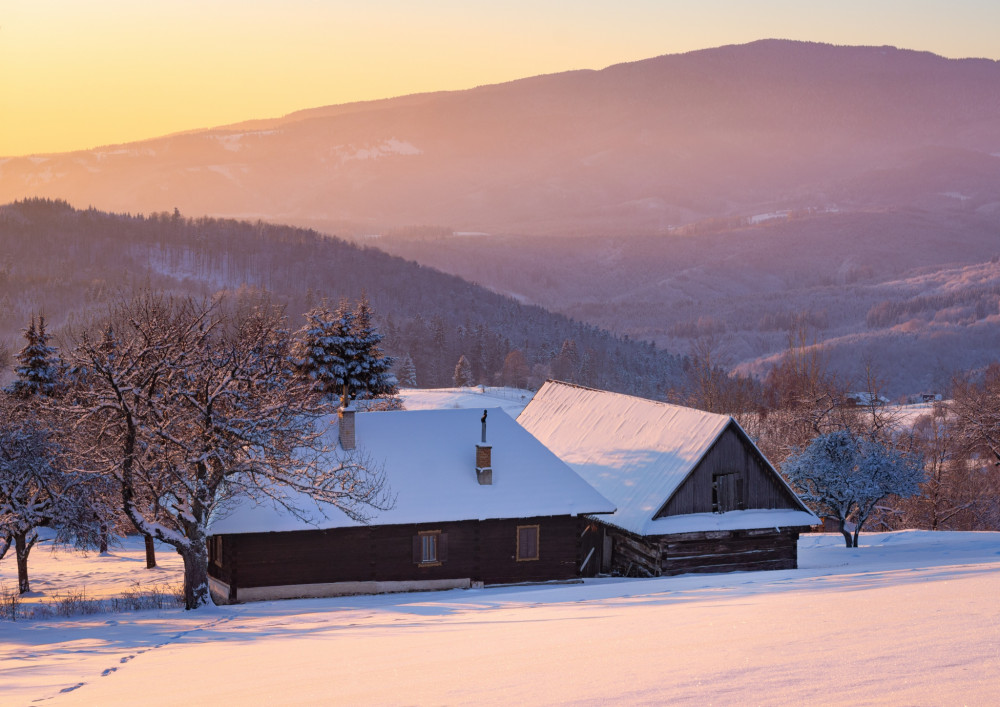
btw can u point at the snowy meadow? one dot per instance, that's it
(907, 618)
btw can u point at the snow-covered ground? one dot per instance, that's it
(909, 618)
(511, 400)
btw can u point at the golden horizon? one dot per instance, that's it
(81, 76)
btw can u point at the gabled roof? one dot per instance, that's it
(637, 453)
(429, 459)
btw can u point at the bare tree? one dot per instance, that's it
(37, 490)
(196, 402)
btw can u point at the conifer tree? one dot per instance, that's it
(406, 372)
(372, 369)
(38, 363)
(463, 373)
(340, 352)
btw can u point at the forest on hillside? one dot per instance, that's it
(67, 264)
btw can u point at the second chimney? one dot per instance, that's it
(484, 459)
(346, 428)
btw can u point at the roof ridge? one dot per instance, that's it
(633, 397)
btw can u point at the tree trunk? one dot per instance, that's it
(150, 552)
(857, 531)
(195, 575)
(845, 532)
(21, 549)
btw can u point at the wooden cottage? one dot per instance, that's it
(693, 493)
(466, 513)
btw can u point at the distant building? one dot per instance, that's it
(866, 399)
(466, 513)
(693, 493)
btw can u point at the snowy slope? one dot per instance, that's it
(511, 400)
(908, 618)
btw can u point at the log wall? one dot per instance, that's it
(721, 551)
(483, 551)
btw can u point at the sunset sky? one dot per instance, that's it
(75, 74)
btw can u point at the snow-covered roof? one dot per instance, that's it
(637, 452)
(429, 459)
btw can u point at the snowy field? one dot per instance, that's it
(511, 400)
(909, 618)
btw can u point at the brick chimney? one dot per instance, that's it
(345, 429)
(484, 459)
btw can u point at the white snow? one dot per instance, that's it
(383, 148)
(908, 618)
(636, 452)
(234, 141)
(511, 400)
(429, 459)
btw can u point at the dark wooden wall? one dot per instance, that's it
(480, 550)
(716, 551)
(731, 452)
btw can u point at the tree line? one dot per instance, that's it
(71, 263)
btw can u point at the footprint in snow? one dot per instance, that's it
(127, 658)
(106, 673)
(75, 687)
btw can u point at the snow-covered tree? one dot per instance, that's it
(198, 402)
(845, 477)
(406, 372)
(37, 490)
(373, 368)
(463, 373)
(37, 363)
(339, 351)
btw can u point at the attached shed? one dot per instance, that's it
(693, 493)
(466, 512)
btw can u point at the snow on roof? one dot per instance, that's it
(429, 459)
(636, 452)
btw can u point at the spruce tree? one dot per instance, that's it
(372, 368)
(406, 372)
(463, 373)
(340, 352)
(38, 363)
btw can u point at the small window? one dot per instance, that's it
(727, 492)
(527, 543)
(430, 547)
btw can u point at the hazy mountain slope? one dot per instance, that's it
(634, 148)
(67, 264)
(905, 288)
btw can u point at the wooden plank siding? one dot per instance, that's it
(731, 453)
(483, 551)
(738, 550)
(722, 551)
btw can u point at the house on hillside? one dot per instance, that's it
(478, 501)
(693, 493)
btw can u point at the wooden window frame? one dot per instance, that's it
(436, 534)
(738, 491)
(538, 543)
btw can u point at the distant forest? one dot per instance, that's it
(67, 264)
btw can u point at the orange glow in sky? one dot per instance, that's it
(75, 75)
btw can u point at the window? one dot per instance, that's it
(527, 542)
(727, 492)
(430, 548)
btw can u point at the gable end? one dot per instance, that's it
(733, 457)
